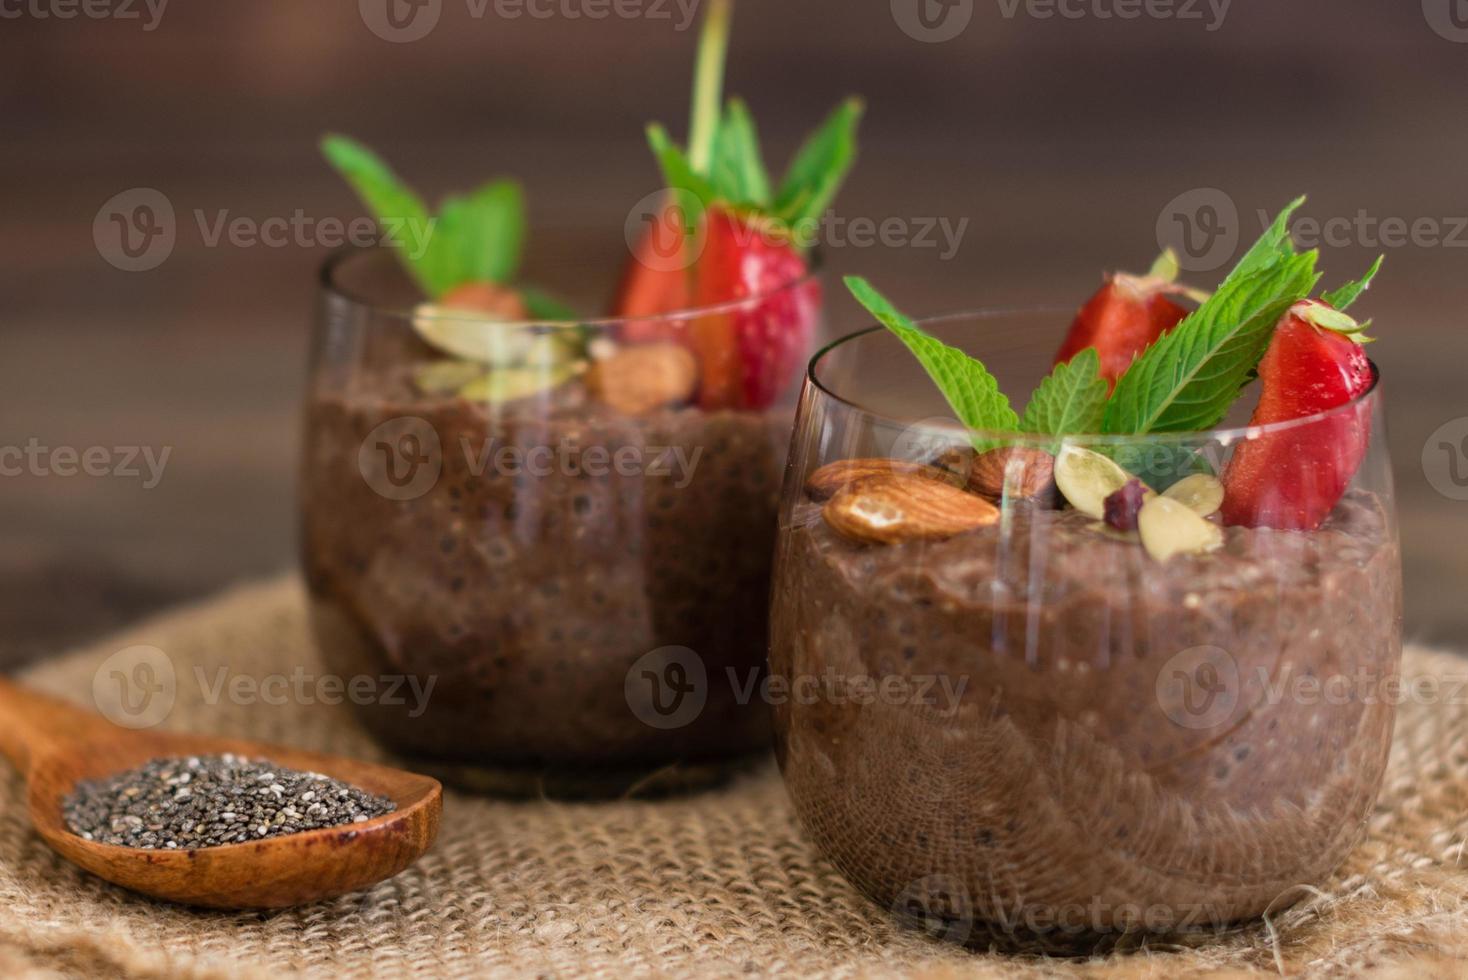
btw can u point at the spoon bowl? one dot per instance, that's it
(56, 746)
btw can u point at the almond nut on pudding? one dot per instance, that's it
(1018, 472)
(894, 507)
(826, 481)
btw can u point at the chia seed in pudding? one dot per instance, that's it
(1066, 775)
(529, 593)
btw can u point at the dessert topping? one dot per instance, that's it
(827, 481)
(445, 377)
(1293, 478)
(1121, 508)
(1170, 528)
(737, 228)
(1126, 316)
(1014, 473)
(636, 380)
(1087, 478)
(1200, 492)
(506, 384)
(896, 507)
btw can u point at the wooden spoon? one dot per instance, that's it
(55, 744)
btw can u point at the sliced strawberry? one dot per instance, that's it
(656, 281)
(750, 354)
(1292, 479)
(1126, 316)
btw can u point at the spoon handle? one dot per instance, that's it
(31, 723)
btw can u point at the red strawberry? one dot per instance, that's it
(1292, 479)
(1126, 316)
(656, 280)
(750, 354)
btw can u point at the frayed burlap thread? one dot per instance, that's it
(715, 884)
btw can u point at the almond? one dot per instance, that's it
(958, 460)
(636, 380)
(825, 482)
(897, 507)
(1170, 528)
(1015, 472)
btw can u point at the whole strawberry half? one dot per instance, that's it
(1292, 479)
(745, 238)
(751, 353)
(1126, 316)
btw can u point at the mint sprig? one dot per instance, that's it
(1072, 399)
(1185, 382)
(1189, 378)
(1345, 297)
(723, 163)
(475, 237)
(970, 389)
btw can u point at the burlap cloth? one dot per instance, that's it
(719, 883)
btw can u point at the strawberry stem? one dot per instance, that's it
(708, 85)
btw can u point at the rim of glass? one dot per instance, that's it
(1224, 435)
(327, 280)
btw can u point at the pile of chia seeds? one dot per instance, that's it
(210, 800)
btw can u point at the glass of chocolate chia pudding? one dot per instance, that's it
(549, 529)
(1056, 689)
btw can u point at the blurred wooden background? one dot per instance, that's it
(1060, 141)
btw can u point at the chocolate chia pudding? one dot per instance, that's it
(1130, 734)
(527, 590)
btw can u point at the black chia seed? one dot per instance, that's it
(211, 800)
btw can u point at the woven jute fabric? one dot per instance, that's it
(718, 883)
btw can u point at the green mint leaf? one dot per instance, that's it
(1343, 298)
(544, 306)
(1071, 401)
(697, 193)
(818, 170)
(399, 211)
(970, 389)
(1273, 246)
(1187, 380)
(479, 236)
(739, 174)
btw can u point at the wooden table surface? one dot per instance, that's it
(1060, 141)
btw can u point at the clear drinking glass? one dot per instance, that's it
(1037, 730)
(557, 552)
